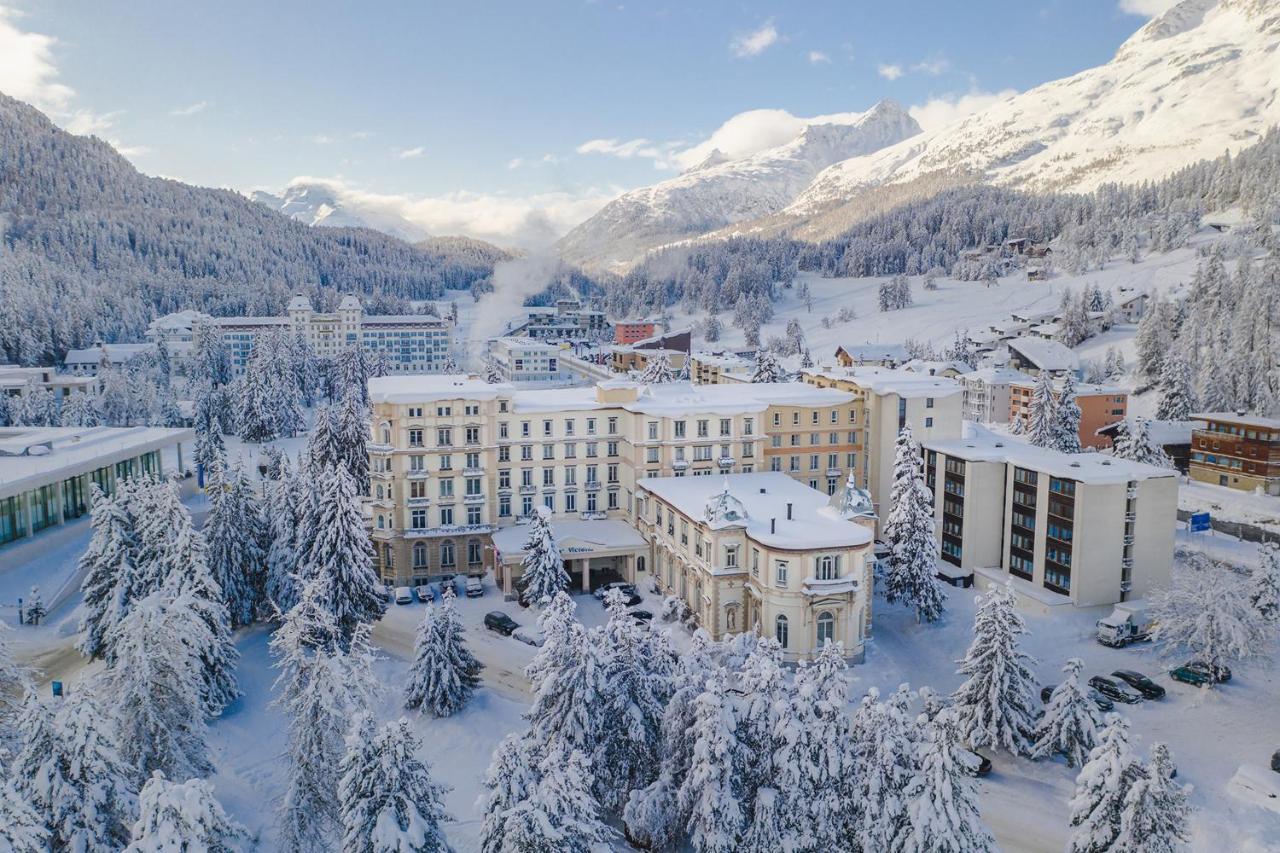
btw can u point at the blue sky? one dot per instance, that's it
(472, 109)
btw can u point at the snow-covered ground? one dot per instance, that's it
(1230, 504)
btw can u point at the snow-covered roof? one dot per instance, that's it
(423, 388)
(401, 320)
(1161, 432)
(931, 368)
(572, 534)
(721, 359)
(982, 445)
(763, 498)
(31, 457)
(1083, 389)
(875, 352)
(1045, 354)
(887, 380)
(116, 353)
(1242, 419)
(350, 303)
(299, 303)
(998, 376)
(518, 341)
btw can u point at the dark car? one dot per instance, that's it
(1275, 761)
(1188, 675)
(642, 615)
(1113, 691)
(1104, 704)
(500, 622)
(975, 763)
(1139, 682)
(1220, 675)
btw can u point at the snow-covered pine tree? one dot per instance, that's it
(339, 553)
(1155, 330)
(657, 370)
(1067, 413)
(106, 561)
(907, 467)
(79, 410)
(71, 774)
(233, 531)
(942, 799)
(763, 712)
(1153, 818)
(256, 409)
(997, 703)
(323, 448)
(389, 802)
(767, 829)
(881, 743)
(284, 497)
(353, 373)
(543, 574)
(570, 701)
(651, 815)
(766, 367)
(912, 573)
(1101, 788)
(1264, 582)
(35, 610)
(21, 829)
(1206, 610)
(15, 677)
(1071, 720)
(1043, 411)
(508, 782)
(558, 813)
(712, 792)
(183, 816)
(1133, 441)
(637, 674)
(352, 434)
(1176, 396)
(444, 672)
(154, 685)
(491, 370)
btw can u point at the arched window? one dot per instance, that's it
(780, 630)
(381, 523)
(827, 568)
(379, 491)
(447, 554)
(386, 433)
(419, 555)
(826, 628)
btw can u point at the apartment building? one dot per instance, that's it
(1082, 528)
(634, 331)
(412, 343)
(711, 368)
(872, 355)
(760, 549)
(89, 360)
(567, 320)
(988, 392)
(1100, 406)
(527, 360)
(1033, 355)
(46, 473)
(1237, 451)
(17, 381)
(890, 399)
(453, 458)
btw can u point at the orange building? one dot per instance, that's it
(1100, 406)
(629, 332)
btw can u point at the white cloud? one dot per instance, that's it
(322, 139)
(625, 150)
(751, 132)
(515, 162)
(943, 110)
(889, 72)
(932, 67)
(411, 153)
(816, 57)
(526, 222)
(1146, 8)
(756, 42)
(362, 134)
(29, 72)
(190, 109)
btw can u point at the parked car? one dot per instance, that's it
(404, 595)
(1275, 761)
(1187, 675)
(974, 762)
(446, 584)
(498, 621)
(1220, 676)
(528, 636)
(424, 593)
(1139, 682)
(1112, 690)
(627, 589)
(1104, 704)
(642, 615)
(474, 587)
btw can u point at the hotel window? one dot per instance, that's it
(415, 411)
(526, 452)
(591, 426)
(473, 485)
(446, 516)
(473, 515)
(446, 462)
(546, 427)
(446, 488)
(419, 555)
(418, 519)
(755, 562)
(613, 426)
(651, 454)
(548, 476)
(653, 430)
(416, 462)
(549, 501)
(826, 628)
(444, 437)
(472, 409)
(591, 502)
(570, 501)
(473, 435)
(526, 506)
(702, 429)
(504, 454)
(777, 419)
(571, 476)
(548, 451)
(503, 432)
(748, 426)
(473, 551)
(593, 449)
(415, 438)
(725, 425)
(780, 630)
(780, 574)
(731, 556)
(504, 506)
(446, 553)
(568, 427)
(443, 411)
(417, 488)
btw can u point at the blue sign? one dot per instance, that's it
(57, 689)
(1199, 522)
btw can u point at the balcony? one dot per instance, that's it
(833, 472)
(592, 486)
(473, 499)
(473, 472)
(528, 489)
(378, 448)
(726, 461)
(381, 475)
(1131, 492)
(417, 474)
(418, 502)
(1128, 541)
(449, 530)
(1130, 517)
(593, 515)
(680, 464)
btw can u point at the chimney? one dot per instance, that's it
(788, 510)
(773, 525)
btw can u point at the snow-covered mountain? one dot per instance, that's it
(319, 203)
(719, 191)
(1201, 79)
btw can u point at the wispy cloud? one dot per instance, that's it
(817, 57)
(1146, 8)
(190, 109)
(889, 72)
(932, 67)
(944, 109)
(323, 139)
(625, 150)
(755, 42)
(362, 134)
(411, 153)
